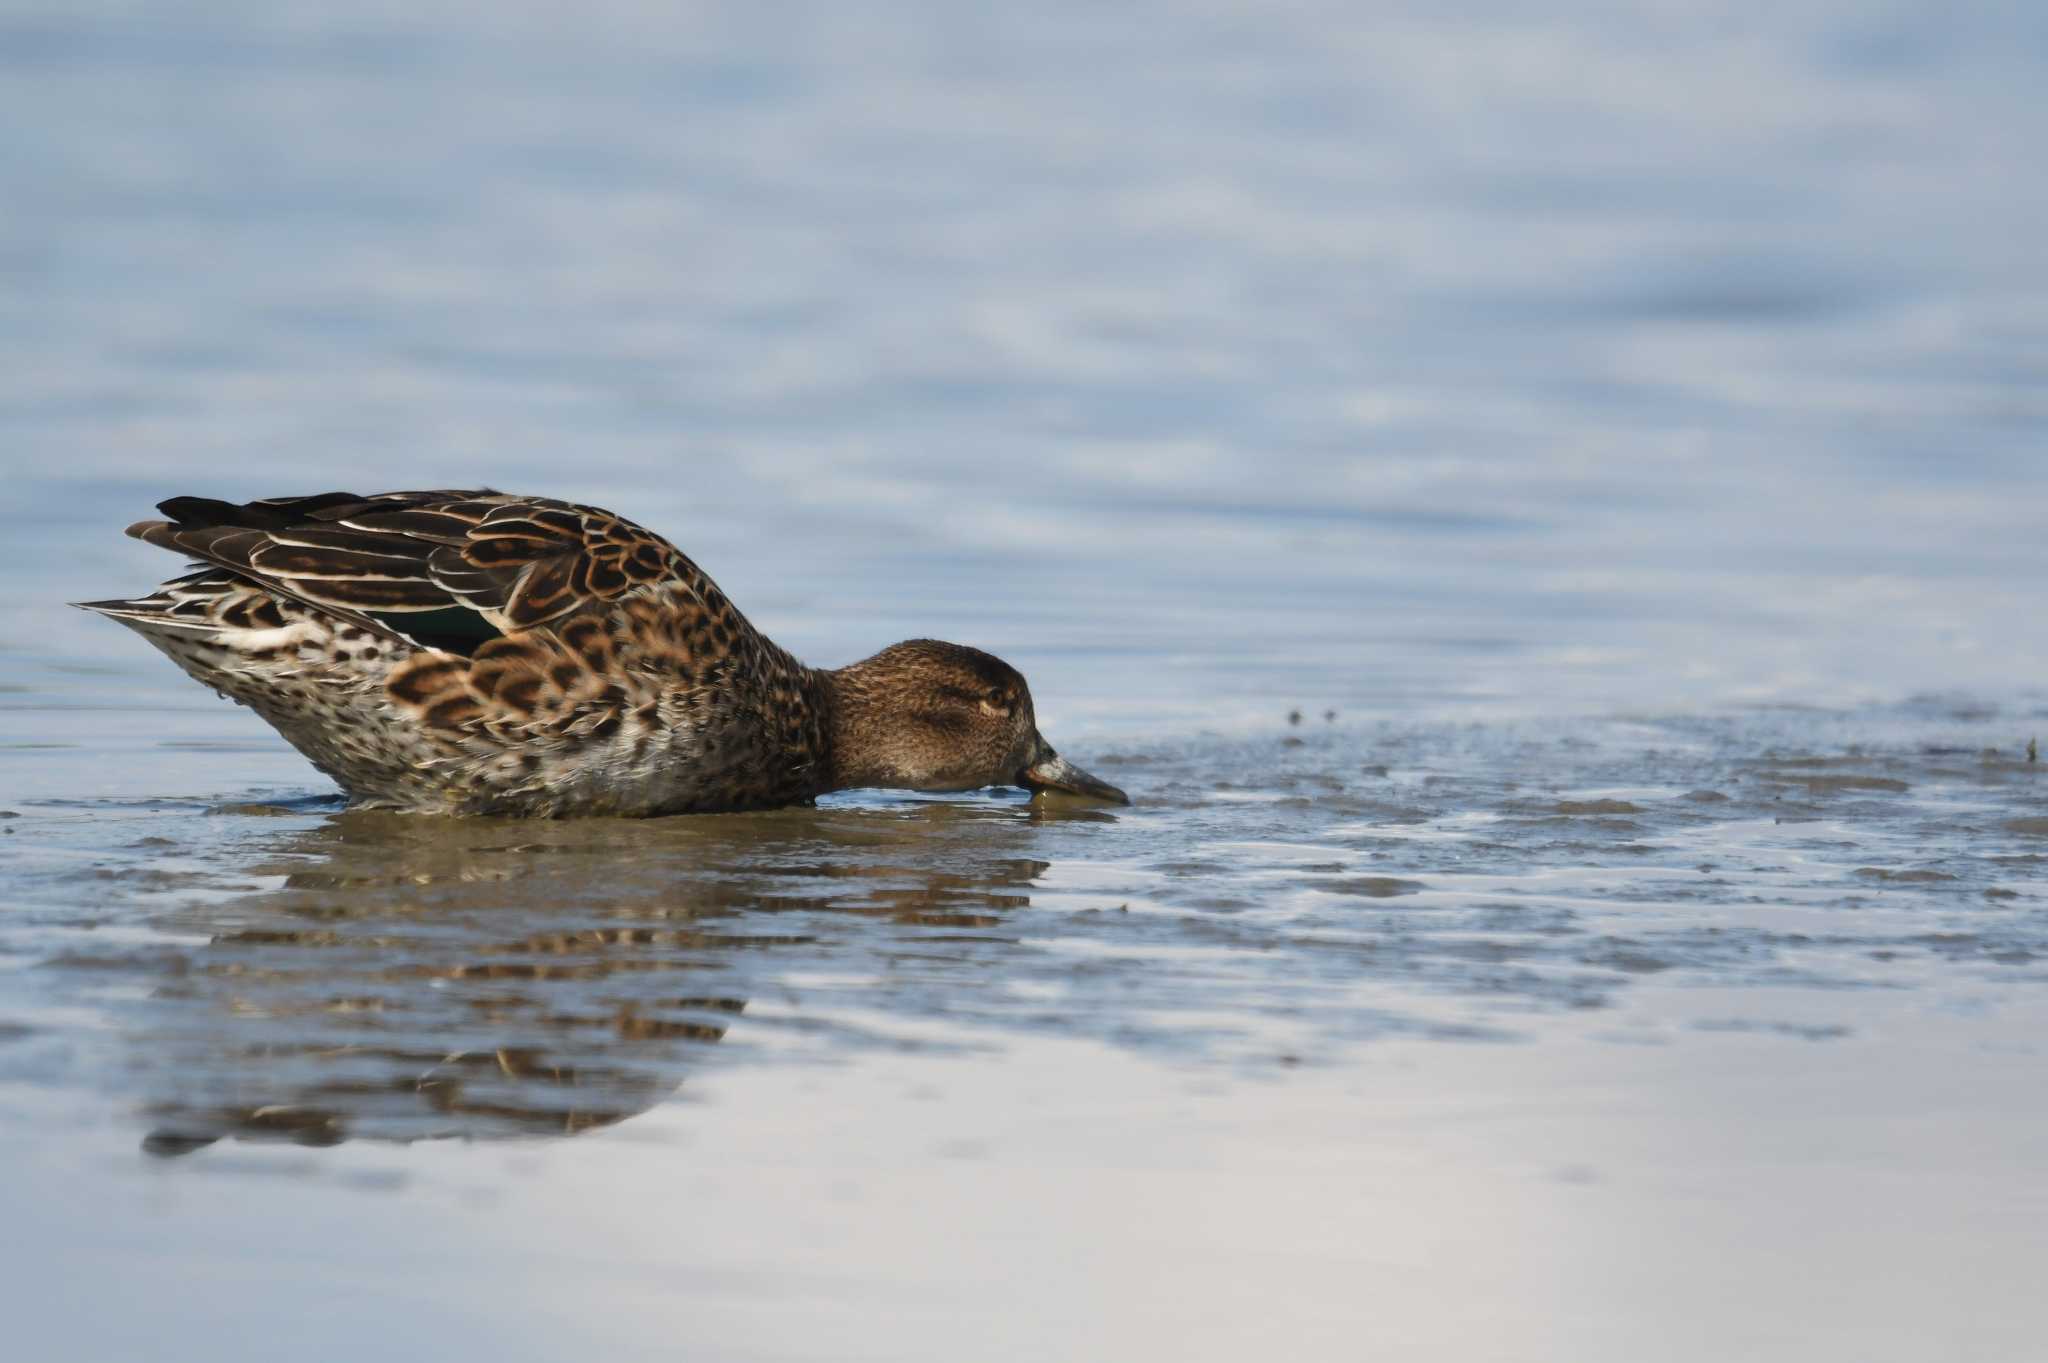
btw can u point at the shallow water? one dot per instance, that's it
(1546, 530)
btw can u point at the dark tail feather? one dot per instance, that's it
(272, 513)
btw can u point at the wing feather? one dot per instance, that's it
(518, 562)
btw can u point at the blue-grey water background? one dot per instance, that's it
(1615, 430)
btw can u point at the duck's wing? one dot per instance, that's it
(456, 567)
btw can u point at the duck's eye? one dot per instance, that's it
(996, 703)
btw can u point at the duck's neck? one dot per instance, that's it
(854, 709)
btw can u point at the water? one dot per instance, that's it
(1615, 435)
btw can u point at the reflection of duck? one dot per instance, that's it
(412, 979)
(477, 653)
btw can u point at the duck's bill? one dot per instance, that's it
(1053, 772)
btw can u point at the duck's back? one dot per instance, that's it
(476, 652)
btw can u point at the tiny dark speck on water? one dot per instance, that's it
(1294, 716)
(2033, 750)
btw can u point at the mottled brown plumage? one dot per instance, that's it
(474, 652)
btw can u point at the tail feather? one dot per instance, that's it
(210, 601)
(310, 550)
(153, 612)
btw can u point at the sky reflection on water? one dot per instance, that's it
(1679, 356)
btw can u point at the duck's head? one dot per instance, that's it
(925, 715)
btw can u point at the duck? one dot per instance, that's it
(473, 652)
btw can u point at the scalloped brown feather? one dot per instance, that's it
(516, 561)
(617, 678)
